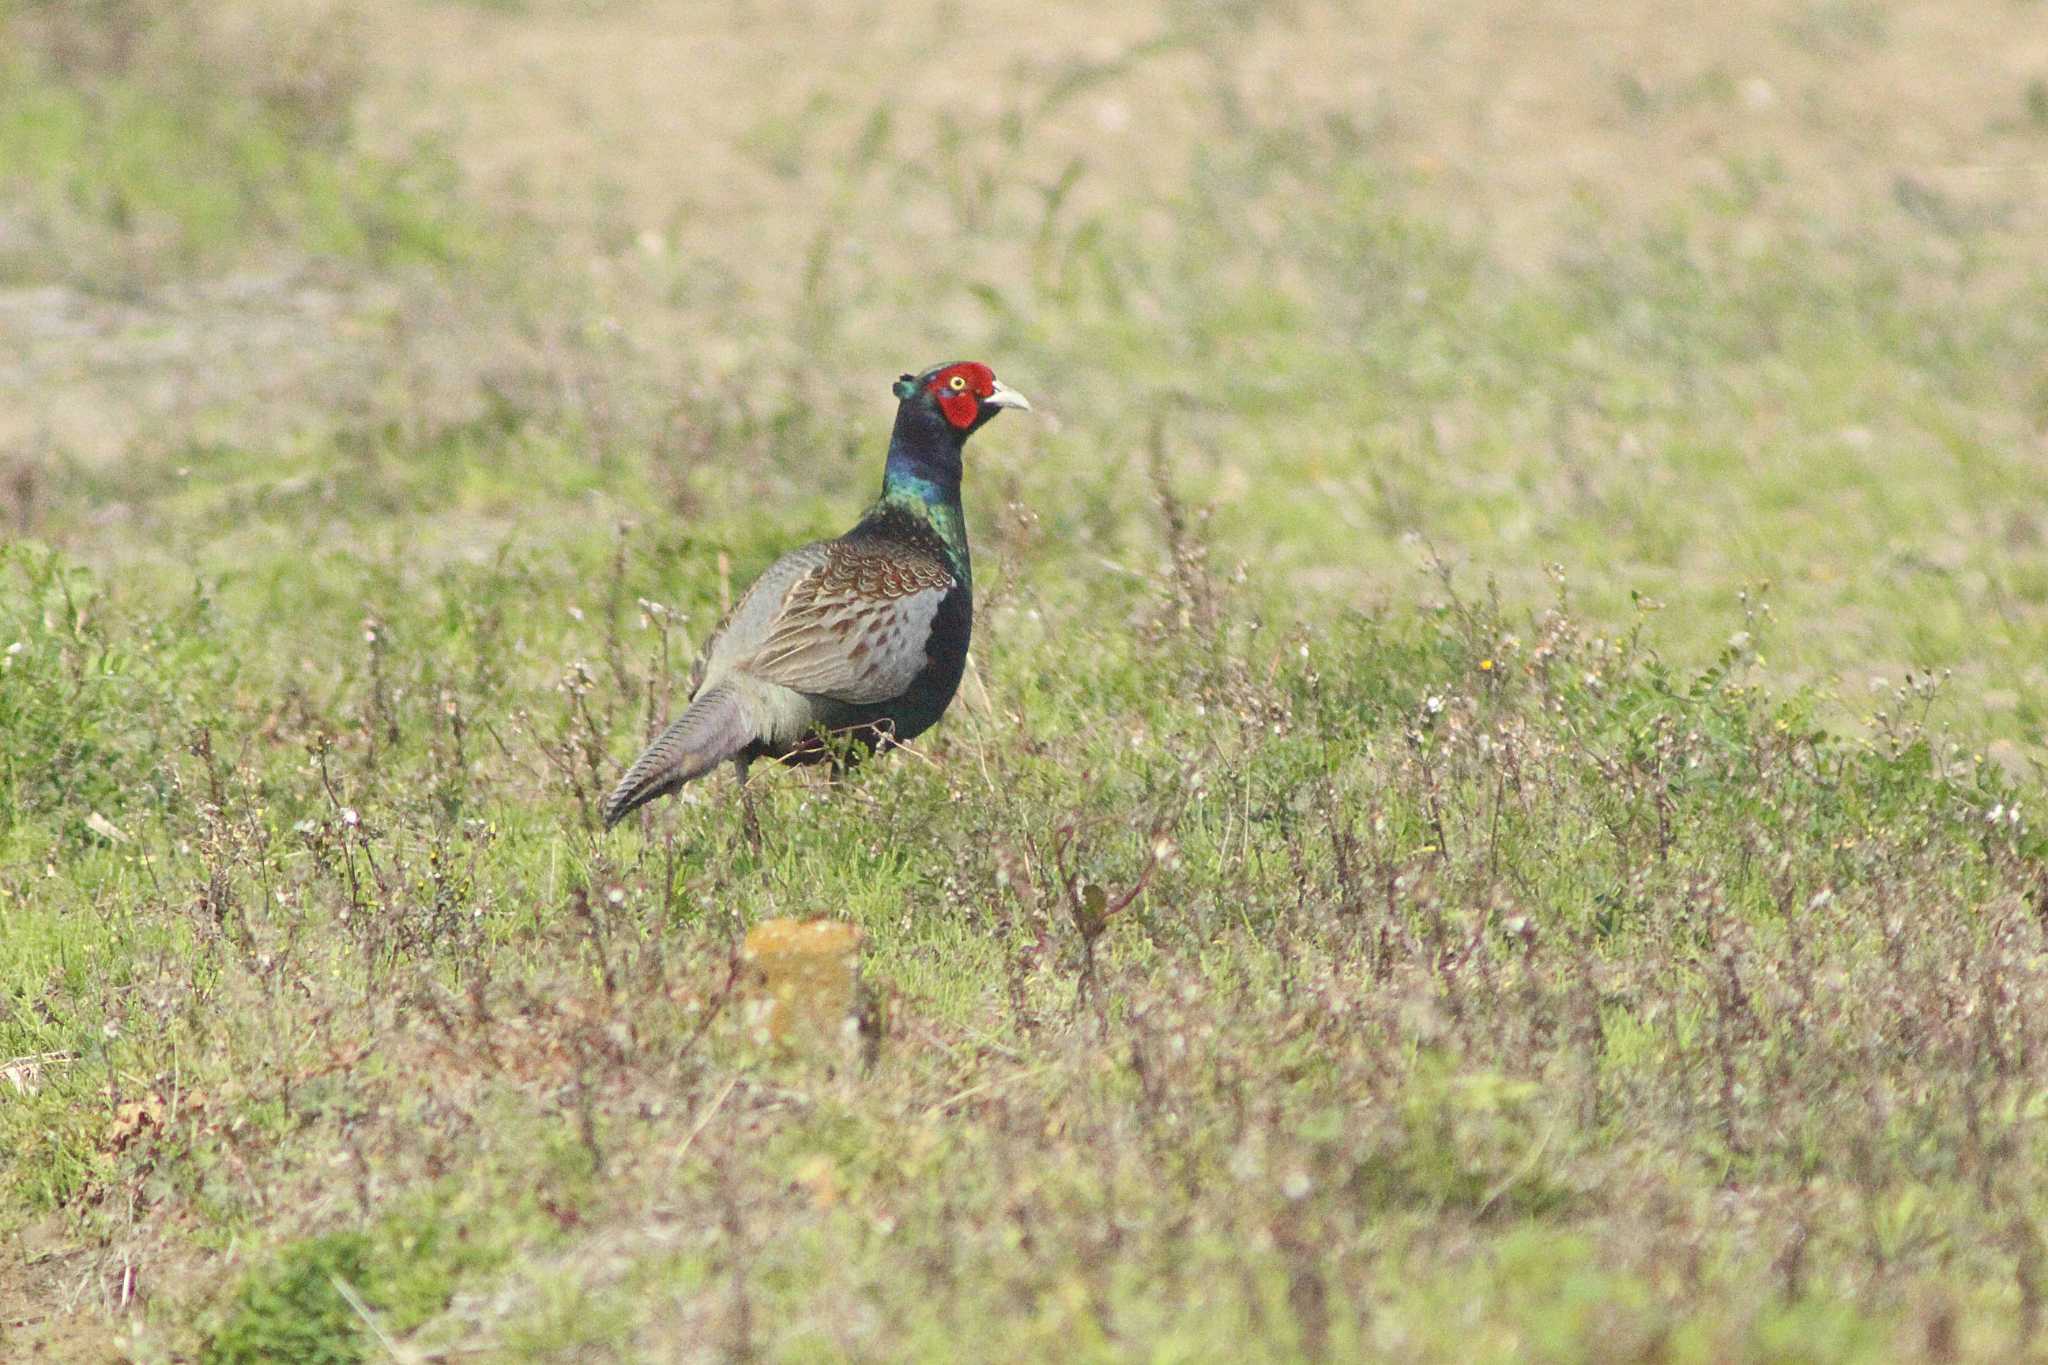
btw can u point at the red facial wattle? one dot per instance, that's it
(961, 400)
(959, 408)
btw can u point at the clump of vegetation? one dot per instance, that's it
(338, 1298)
(299, 1309)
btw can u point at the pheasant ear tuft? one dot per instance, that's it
(905, 386)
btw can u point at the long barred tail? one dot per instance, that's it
(713, 729)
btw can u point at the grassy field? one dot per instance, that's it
(1530, 560)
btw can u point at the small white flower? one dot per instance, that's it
(349, 817)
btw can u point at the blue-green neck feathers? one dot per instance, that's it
(922, 476)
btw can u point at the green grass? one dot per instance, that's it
(1569, 732)
(1466, 948)
(335, 1298)
(163, 167)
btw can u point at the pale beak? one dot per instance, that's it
(1003, 396)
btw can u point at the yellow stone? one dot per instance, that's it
(803, 981)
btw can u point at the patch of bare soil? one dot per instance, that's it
(247, 359)
(720, 128)
(684, 161)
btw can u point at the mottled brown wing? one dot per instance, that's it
(855, 627)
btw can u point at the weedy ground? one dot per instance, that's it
(1530, 564)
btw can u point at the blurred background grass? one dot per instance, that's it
(1679, 303)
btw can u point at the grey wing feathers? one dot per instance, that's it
(854, 627)
(835, 619)
(717, 724)
(753, 617)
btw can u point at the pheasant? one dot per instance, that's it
(863, 637)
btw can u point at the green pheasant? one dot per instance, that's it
(864, 637)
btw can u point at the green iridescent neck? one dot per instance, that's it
(936, 503)
(921, 479)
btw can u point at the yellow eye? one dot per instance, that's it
(957, 383)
